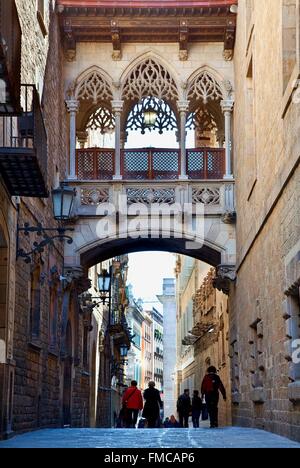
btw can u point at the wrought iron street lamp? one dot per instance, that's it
(123, 351)
(63, 199)
(104, 285)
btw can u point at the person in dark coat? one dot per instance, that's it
(211, 386)
(184, 407)
(196, 408)
(152, 405)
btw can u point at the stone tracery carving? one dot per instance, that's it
(102, 119)
(92, 196)
(94, 87)
(166, 119)
(207, 195)
(205, 87)
(151, 195)
(202, 119)
(150, 78)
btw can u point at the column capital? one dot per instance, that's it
(82, 137)
(183, 106)
(117, 106)
(72, 105)
(227, 106)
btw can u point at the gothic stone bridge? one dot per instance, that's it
(162, 212)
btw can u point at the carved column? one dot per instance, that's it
(227, 108)
(72, 106)
(183, 107)
(220, 139)
(117, 108)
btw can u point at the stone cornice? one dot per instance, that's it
(147, 5)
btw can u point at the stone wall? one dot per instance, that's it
(38, 386)
(268, 225)
(91, 54)
(212, 349)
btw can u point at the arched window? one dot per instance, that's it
(53, 317)
(35, 303)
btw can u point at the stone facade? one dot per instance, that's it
(264, 302)
(211, 348)
(202, 329)
(189, 275)
(167, 298)
(37, 361)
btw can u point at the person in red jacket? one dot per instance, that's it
(210, 388)
(132, 403)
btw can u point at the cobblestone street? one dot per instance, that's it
(232, 437)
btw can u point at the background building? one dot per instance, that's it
(135, 319)
(210, 336)
(167, 298)
(147, 351)
(108, 334)
(158, 348)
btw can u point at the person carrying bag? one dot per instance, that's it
(132, 402)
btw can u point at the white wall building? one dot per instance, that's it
(168, 300)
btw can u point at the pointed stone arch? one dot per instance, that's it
(93, 85)
(149, 75)
(207, 85)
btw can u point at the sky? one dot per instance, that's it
(146, 273)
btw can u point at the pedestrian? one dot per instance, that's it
(132, 403)
(210, 388)
(184, 408)
(153, 404)
(196, 408)
(171, 422)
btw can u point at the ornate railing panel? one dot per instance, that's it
(95, 164)
(151, 164)
(206, 163)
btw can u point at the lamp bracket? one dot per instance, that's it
(40, 231)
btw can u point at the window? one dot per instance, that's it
(41, 16)
(292, 317)
(257, 367)
(289, 40)
(137, 338)
(53, 316)
(41, 7)
(250, 131)
(249, 17)
(35, 303)
(85, 348)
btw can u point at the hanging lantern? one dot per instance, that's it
(150, 116)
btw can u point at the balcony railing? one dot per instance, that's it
(23, 148)
(119, 328)
(151, 164)
(10, 58)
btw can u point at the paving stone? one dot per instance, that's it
(231, 437)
